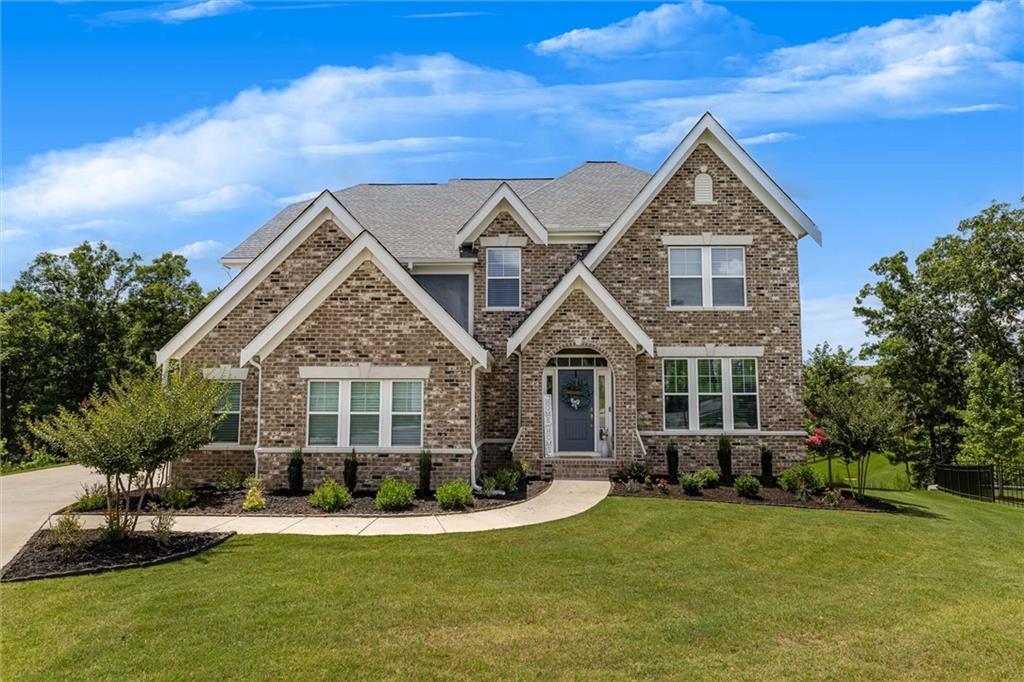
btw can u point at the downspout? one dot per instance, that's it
(519, 389)
(472, 426)
(259, 415)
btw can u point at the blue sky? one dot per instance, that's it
(182, 126)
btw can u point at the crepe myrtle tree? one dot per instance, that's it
(133, 430)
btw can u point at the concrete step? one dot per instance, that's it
(587, 468)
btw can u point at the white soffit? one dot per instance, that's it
(504, 198)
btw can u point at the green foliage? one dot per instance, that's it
(351, 471)
(426, 466)
(725, 457)
(394, 495)
(691, 484)
(454, 495)
(91, 498)
(672, 461)
(330, 496)
(254, 494)
(632, 486)
(523, 466)
(161, 524)
(132, 431)
(801, 477)
(708, 478)
(993, 429)
(833, 497)
(177, 496)
(636, 471)
(295, 479)
(229, 479)
(507, 478)
(488, 485)
(767, 465)
(747, 486)
(66, 534)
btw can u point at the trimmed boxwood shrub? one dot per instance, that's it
(672, 462)
(725, 458)
(394, 495)
(691, 484)
(801, 480)
(454, 495)
(330, 496)
(295, 481)
(708, 478)
(747, 486)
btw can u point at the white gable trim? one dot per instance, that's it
(709, 131)
(324, 207)
(365, 248)
(504, 198)
(581, 279)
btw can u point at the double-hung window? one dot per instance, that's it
(710, 394)
(707, 277)
(365, 413)
(230, 405)
(504, 277)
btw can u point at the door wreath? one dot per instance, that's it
(575, 394)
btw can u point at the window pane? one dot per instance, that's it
(365, 396)
(727, 291)
(744, 411)
(686, 291)
(744, 376)
(709, 376)
(710, 412)
(503, 293)
(323, 429)
(503, 262)
(677, 412)
(727, 262)
(684, 262)
(405, 429)
(406, 396)
(323, 396)
(364, 429)
(227, 430)
(231, 399)
(676, 376)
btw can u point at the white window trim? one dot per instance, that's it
(488, 278)
(392, 413)
(310, 413)
(727, 396)
(707, 278)
(238, 411)
(384, 413)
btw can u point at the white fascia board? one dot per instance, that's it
(581, 279)
(708, 130)
(235, 263)
(504, 198)
(364, 248)
(326, 206)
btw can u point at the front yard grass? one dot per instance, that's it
(632, 588)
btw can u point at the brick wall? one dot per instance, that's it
(202, 467)
(373, 468)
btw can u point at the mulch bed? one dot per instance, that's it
(38, 559)
(769, 496)
(210, 502)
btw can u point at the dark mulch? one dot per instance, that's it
(769, 496)
(38, 559)
(210, 502)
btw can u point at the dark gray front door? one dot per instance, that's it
(575, 401)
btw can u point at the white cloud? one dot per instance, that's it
(199, 249)
(974, 108)
(402, 145)
(12, 233)
(446, 15)
(96, 224)
(220, 199)
(831, 318)
(296, 198)
(769, 138)
(202, 10)
(663, 27)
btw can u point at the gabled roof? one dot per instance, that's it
(364, 249)
(580, 278)
(325, 206)
(709, 131)
(502, 199)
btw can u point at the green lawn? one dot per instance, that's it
(881, 474)
(632, 588)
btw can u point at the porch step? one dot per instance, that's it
(590, 468)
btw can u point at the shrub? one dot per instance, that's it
(351, 471)
(691, 484)
(523, 466)
(394, 495)
(161, 524)
(228, 479)
(636, 471)
(426, 466)
(767, 468)
(454, 495)
(177, 496)
(91, 498)
(330, 496)
(801, 480)
(489, 484)
(662, 485)
(648, 483)
(295, 478)
(672, 461)
(254, 500)
(747, 486)
(632, 487)
(725, 458)
(708, 478)
(508, 479)
(67, 534)
(833, 497)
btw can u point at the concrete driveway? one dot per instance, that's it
(27, 499)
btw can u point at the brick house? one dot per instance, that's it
(577, 322)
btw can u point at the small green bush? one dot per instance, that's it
(523, 466)
(632, 487)
(330, 496)
(426, 469)
(708, 478)
(394, 495)
(177, 496)
(801, 480)
(229, 479)
(672, 461)
(454, 495)
(508, 479)
(832, 497)
(636, 471)
(295, 476)
(691, 484)
(489, 484)
(351, 471)
(91, 498)
(747, 486)
(161, 524)
(254, 500)
(67, 534)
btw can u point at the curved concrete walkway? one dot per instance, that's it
(562, 499)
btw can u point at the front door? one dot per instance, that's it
(575, 401)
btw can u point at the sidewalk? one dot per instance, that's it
(562, 499)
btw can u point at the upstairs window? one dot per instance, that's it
(707, 277)
(231, 407)
(503, 277)
(686, 281)
(727, 276)
(702, 188)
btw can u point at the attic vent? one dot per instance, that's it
(702, 192)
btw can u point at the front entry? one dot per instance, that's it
(575, 401)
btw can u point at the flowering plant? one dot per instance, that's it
(818, 439)
(662, 485)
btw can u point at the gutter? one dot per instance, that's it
(259, 416)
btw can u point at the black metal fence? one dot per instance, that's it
(986, 482)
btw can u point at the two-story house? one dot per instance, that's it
(578, 322)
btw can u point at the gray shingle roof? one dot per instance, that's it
(420, 220)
